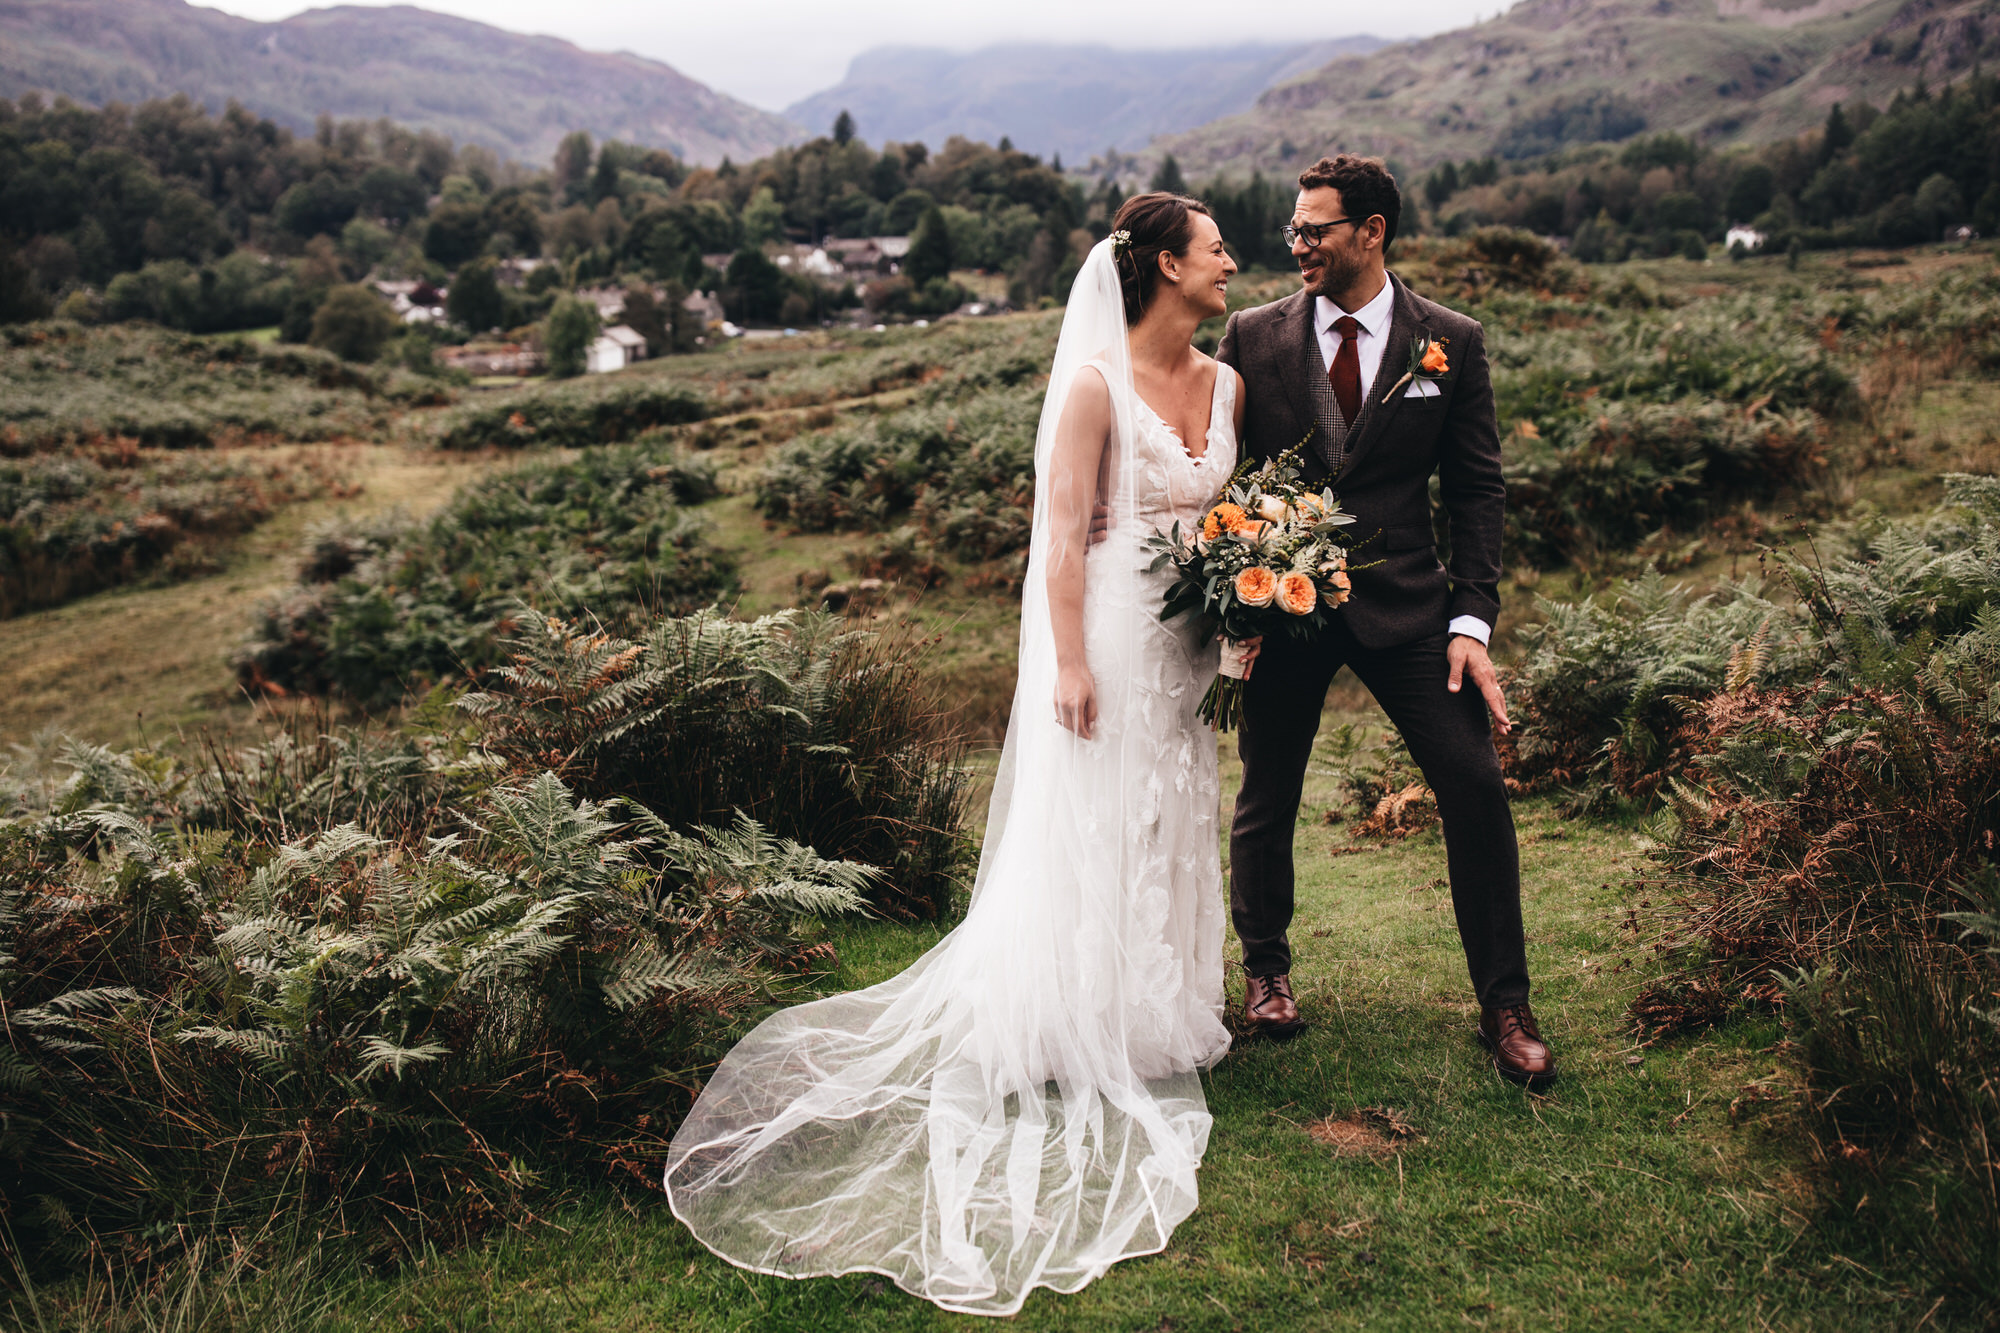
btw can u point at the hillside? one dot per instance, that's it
(1549, 73)
(1073, 100)
(515, 94)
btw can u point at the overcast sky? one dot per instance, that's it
(771, 53)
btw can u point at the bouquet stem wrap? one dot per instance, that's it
(1222, 706)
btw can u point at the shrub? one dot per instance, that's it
(1606, 484)
(572, 416)
(964, 471)
(1829, 844)
(71, 524)
(819, 733)
(383, 608)
(353, 323)
(566, 340)
(395, 1037)
(68, 386)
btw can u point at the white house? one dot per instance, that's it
(616, 348)
(1748, 237)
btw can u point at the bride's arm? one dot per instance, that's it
(1076, 465)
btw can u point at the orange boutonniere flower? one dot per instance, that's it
(1427, 362)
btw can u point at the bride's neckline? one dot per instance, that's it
(1214, 396)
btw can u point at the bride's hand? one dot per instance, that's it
(1251, 647)
(1076, 700)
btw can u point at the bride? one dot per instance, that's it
(1021, 1108)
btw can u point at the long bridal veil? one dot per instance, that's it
(1021, 1107)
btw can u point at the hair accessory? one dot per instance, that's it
(1121, 241)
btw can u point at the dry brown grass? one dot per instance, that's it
(130, 665)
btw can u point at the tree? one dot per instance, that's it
(763, 217)
(320, 206)
(1750, 193)
(1837, 137)
(20, 299)
(567, 337)
(646, 317)
(1169, 177)
(754, 287)
(457, 232)
(1442, 184)
(843, 128)
(353, 323)
(1939, 204)
(474, 301)
(930, 249)
(572, 165)
(392, 194)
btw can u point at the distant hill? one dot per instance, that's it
(517, 95)
(1073, 100)
(1548, 73)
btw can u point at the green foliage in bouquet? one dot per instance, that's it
(1266, 559)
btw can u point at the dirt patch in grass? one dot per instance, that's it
(1372, 1131)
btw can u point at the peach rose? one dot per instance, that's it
(1223, 518)
(1272, 509)
(1296, 594)
(1343, 587)
(1311, 508)
(1256, 586)
(1434, 362)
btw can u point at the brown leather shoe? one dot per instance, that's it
(1519, 1052)
(1269, 1008)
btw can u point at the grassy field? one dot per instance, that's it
(1373, 1173)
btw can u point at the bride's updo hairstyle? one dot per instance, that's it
(1159, 223)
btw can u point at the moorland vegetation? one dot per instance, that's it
(517, 760)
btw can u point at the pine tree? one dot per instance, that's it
(930, 249)
(843, 128)
(1168, 177)
(1837, 136)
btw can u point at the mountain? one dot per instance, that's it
(1548, 73)
(1074, 100)
(515, 94)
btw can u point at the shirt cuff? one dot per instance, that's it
(1472, 627)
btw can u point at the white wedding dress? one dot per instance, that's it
(1020, 1108)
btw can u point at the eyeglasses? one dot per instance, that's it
(1313, 232)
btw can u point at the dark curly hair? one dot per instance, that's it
(1159, 223)
(1365, 185)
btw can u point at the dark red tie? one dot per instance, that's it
(1346, 370)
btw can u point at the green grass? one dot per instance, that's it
(1624, 1199)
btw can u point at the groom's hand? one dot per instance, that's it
(1465, 653)
(1100, 522)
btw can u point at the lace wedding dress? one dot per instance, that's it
(1022, 1106)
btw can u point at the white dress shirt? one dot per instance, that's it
(1369, 341)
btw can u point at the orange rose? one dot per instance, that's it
(1434, 362)
(1343, 587)
(1296, 594)
(1256, 586)
(1223, 518)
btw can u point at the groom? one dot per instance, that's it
(1329, 361)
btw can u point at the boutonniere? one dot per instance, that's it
(1427, 362)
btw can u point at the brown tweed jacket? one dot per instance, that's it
(1381, 464)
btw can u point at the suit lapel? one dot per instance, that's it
(1405, 324)
(1293, 367)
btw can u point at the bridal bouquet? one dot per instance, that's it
(1268, 558)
